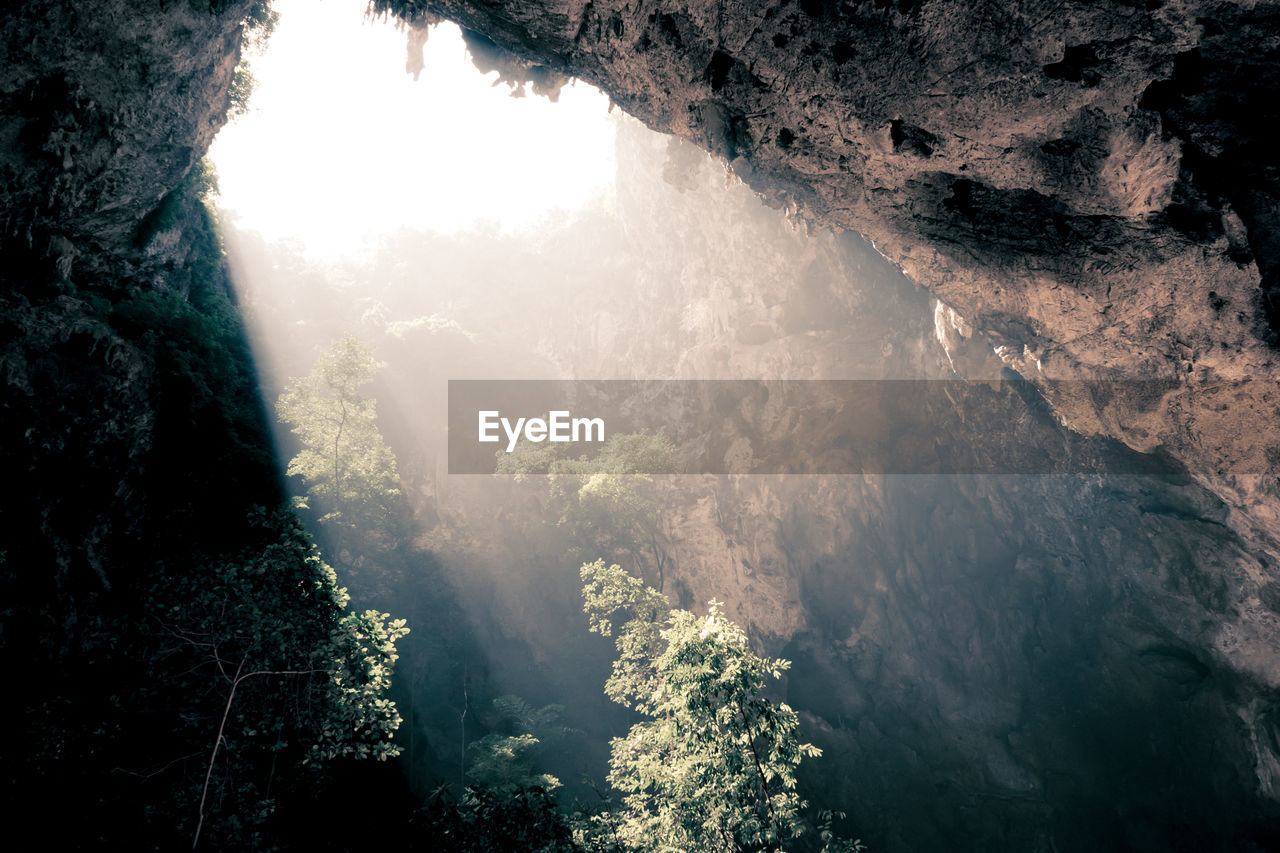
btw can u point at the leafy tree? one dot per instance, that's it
(608, 503)
(348, 467)
(256, 29)
(286, 673)
(485, 820)
(713, 768)
(506, 762)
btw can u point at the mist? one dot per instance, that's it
(925, 360)
(955, 639)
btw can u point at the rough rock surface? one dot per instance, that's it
(1088, 184)
(104, 107)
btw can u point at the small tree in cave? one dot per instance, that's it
(609, 503)
(286, 675)
(713, 768)
(349, 470)
(506, 762)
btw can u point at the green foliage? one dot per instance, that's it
(608, 591)
(259, 23)
(623, 453)
(348, 467)
(713, 768)
(608, 503)
(359, 718)
(506, 763)
(529, 459)
(832, 843)
(243, 85)
(177, 207)
(524, 717)
(286, 672)
(490, 821)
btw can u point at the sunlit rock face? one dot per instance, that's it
(1090, 185)
(1021, 663)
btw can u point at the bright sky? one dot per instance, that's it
(341, 144)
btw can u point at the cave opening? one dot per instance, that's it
(1077, 653)
(484, 236)
(339, 145)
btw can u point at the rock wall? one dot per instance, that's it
(133, 442)
(104, 107)
(1088, 184)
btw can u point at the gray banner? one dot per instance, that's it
(790, 426)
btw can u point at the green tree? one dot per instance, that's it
(713, 768)
(507, 762)
(484, 820)
(256, 30)
(608, 503)
(348, 467)
(287, 675)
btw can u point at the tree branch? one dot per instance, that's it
(222, 725)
